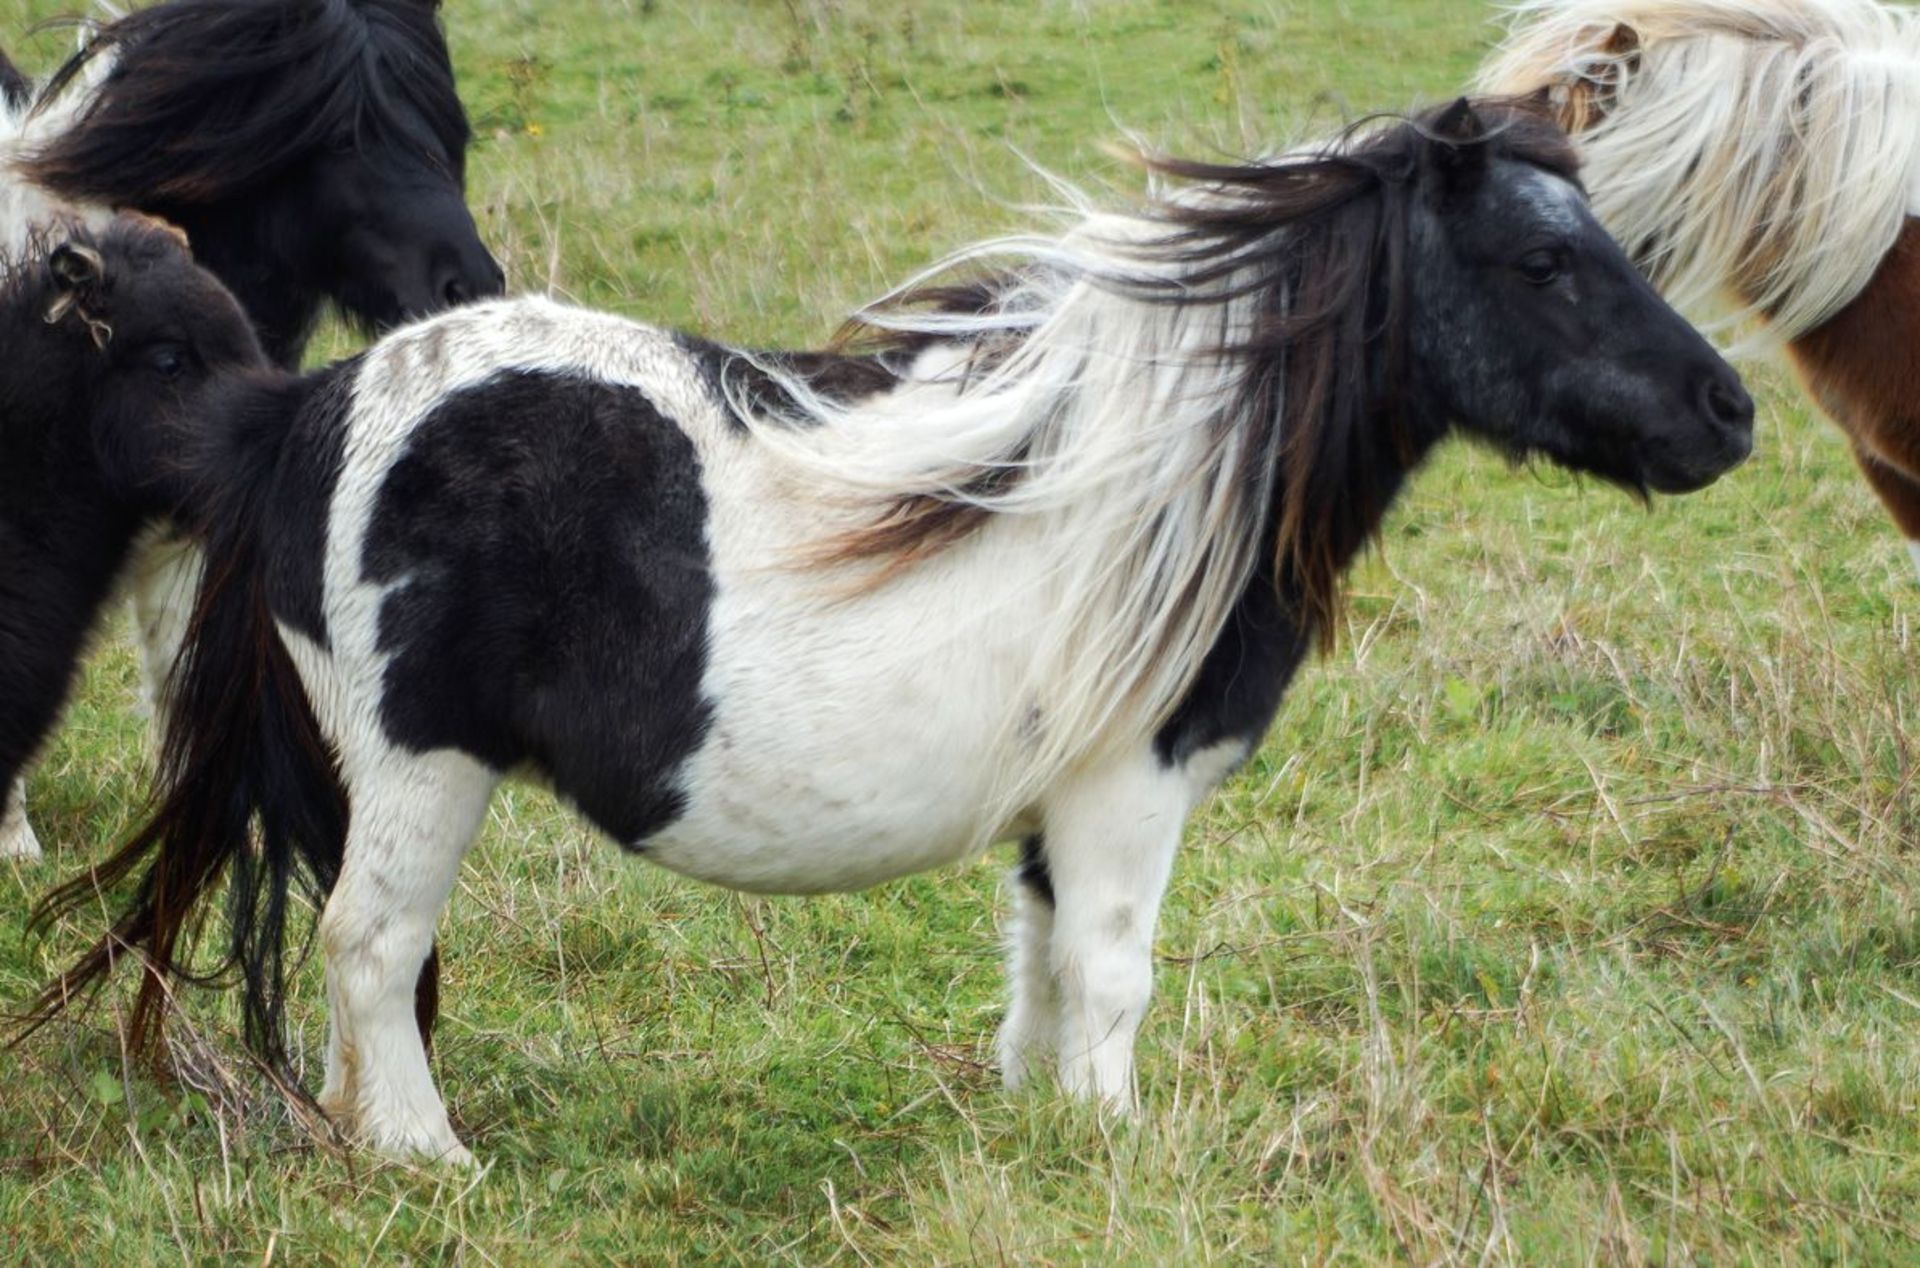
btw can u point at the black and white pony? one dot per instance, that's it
(1033, 559)
(312, 150)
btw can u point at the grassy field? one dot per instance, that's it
(1568, 914)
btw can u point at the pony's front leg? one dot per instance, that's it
(1110, 841)
(17, 840)
(166, 576)
(1032, 1028)
(413, 818)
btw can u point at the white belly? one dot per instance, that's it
(835, 763)
(852, 741)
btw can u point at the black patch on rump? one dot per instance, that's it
(317, 443)
(547, 534)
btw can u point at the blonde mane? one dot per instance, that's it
(1765, 148)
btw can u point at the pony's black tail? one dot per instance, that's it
(248, 791)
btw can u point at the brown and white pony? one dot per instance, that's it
(1770, 150)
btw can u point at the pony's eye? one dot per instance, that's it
(167, 360)
(1540, 267)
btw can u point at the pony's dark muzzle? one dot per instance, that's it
(476, 275)
(1720, 435)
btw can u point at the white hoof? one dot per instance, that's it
(415, 1142)
(16, 834)
(454, 1157)
(1023, 1055)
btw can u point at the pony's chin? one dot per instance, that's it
(1688, 476)
(371, 315)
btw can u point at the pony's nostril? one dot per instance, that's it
(455, 292)
(1726, 404)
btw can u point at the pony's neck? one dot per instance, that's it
(242, 248)
(1399, 443)
(61, 482)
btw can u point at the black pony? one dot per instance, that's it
(119, 331)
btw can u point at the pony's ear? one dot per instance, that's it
(154, 224)
(1590, 98)
(1622, 41)
(76, 267)
(1458, 135)
(1458, 123)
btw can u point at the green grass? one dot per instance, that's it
(1567, 915)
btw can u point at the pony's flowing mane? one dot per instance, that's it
(1770, 146)
(239, 92)
(1175, 396)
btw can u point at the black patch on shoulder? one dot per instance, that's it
(1033, 871)
(1245, 673)
(548, 537)
(310, 463)
(839, 377)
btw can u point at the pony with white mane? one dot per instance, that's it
(1032, 555)
(1766, 153)
(313, 151)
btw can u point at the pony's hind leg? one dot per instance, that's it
(1110, 841)
(1028, 1035)
(16, 833)
(414, 815)
(166, 575)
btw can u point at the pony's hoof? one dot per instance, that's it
(1023, 1060)
(453, 1157)
(420, 1148)
(18, 842)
